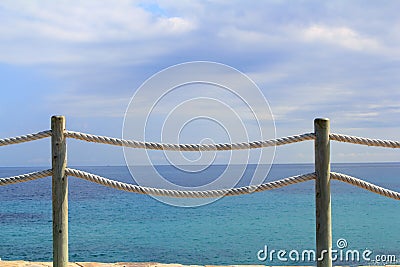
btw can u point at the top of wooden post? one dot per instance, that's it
(322, 122)
(57, 117)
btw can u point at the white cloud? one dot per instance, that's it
(91, 21)
(56, 32)
(341, 36)
(242, 36)
(88, 106)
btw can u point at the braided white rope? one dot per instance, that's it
(232, 191)
(189, 147)
(25, 177)
(189, 194)
(201, 194)
(200, 147)
(364, 141)
(365, 185)
(25, 138)
(226, 146)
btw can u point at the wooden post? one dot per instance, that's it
(60, 192)
(323, 193)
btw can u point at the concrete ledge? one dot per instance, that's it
(124, 264)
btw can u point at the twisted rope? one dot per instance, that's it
(226, 146)
(189, 147)
(228, 192)
(188, 194)
(25, 138)
(364, 141)
(25, 177)
(365, 185)
(201, 147)
(201, 194)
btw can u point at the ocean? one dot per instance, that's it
(108, 225)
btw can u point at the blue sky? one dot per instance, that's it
(84, 60)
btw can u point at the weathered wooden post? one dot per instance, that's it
(60, 192)
(323, 193)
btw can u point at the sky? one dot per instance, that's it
(86, 59)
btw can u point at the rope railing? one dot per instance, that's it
(226, 146)
(186, 193)
(322, 176)
(364, 141)
(231, 191)
(201, 147)
(201, 194)
(189, 147)
(25, 177)
(365, 185)
(25, 138)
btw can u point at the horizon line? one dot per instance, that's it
(293, 163)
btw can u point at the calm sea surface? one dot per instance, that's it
(109, 225)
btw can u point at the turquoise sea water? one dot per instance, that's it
(109, 225)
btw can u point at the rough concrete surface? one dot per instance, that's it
(120, 264)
